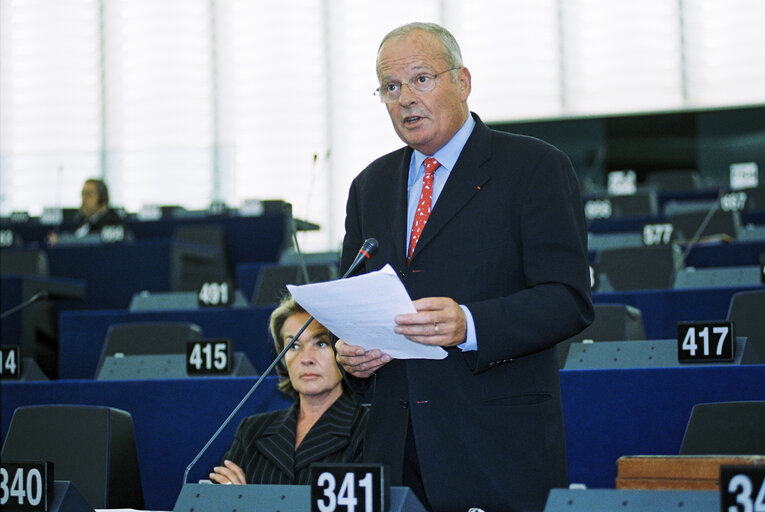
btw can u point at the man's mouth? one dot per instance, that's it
(410, 120)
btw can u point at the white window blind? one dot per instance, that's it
(159, 101)
(621, 56)
(725, 52)
(512, 49)
(273, 102)
(50, 118)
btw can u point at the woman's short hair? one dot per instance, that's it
(287, 307)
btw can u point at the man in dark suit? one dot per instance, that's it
(498, 275)
(95, 213)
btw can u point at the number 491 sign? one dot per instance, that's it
(348, 488)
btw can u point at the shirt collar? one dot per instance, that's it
(447, 156)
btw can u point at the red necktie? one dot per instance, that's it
(423, 207)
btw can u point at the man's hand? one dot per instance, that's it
(357, 361)
(229, 473)
(438, 321)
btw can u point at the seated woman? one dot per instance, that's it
(324, 424)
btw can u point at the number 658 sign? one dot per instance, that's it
(348, 488)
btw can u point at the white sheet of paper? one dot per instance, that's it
(360, 310)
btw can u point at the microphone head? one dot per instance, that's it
(370, 246)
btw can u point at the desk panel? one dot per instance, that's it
(114, 272)
(611, 413)
(82, 334)
(662, 309)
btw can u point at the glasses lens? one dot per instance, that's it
(424, 83)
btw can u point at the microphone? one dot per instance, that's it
(369, 246)
(37, 297)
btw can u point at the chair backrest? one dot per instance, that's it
(674, 180)
(613, 322)
(92, 446)
(746, 311)
(199, 255)
(272, 281)
(643, 203)
(148, 338)
(640, 268)
(721, 223)
(725, 428)
(755, 199)
(32, 262)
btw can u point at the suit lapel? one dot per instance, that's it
(330, 434)
(398, 225)
(464, 182)
(277, 444)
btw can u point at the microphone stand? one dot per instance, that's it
(41, 295)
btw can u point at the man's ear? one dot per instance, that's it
(464, 79)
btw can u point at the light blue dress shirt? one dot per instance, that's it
(447, 156)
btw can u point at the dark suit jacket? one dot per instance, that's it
(264, 443)
(507, 238)
(109, 218)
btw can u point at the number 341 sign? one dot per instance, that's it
(348, 488)
(742, 489)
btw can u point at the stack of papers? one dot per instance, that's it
(361, 311)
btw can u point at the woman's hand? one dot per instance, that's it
(228, 473)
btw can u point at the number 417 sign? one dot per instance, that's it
(700, 342)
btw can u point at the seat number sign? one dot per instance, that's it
(742, 488)
(10, 361)
(206, 357)
(26, 485)
(215, 294)
(700, 342)
(348, 488)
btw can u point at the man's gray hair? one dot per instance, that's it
(452, 54)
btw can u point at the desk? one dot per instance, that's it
(248, 238)
(608, 414)
(172, 420)
(82, 333)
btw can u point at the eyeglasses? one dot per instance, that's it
(423, 83)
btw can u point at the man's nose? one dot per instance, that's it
(407, 96)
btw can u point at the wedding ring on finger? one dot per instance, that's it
(435, 327)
